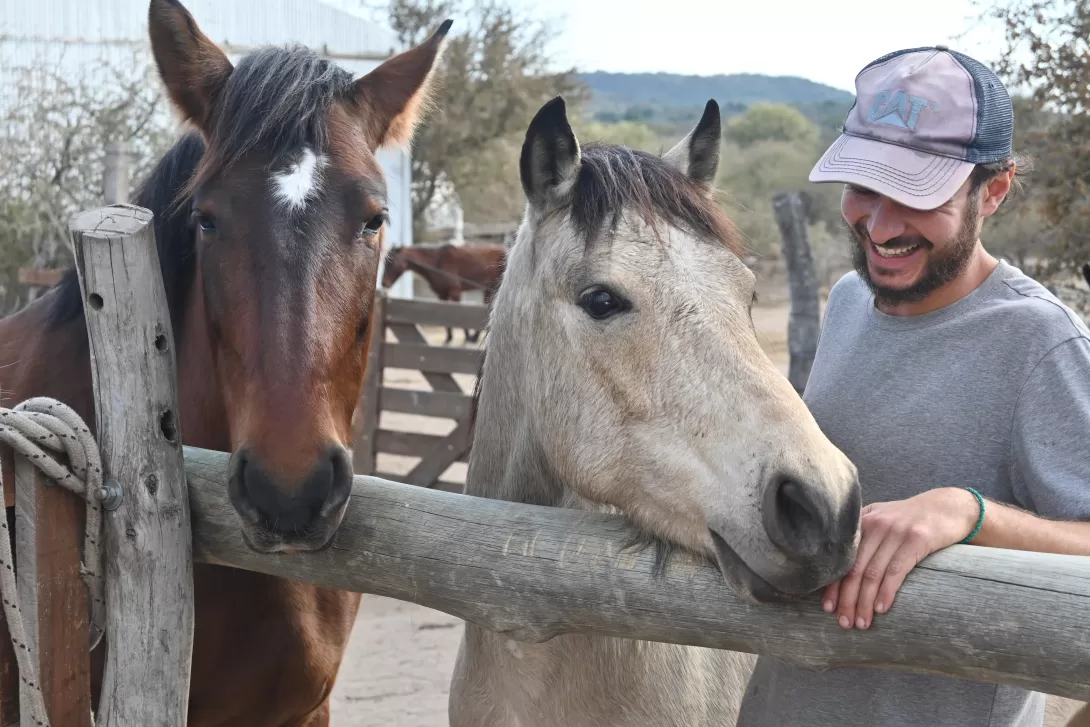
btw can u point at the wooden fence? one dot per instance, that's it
(531, 572)
(446, 399)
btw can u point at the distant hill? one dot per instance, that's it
(671, 99)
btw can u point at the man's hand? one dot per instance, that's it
(895, 537)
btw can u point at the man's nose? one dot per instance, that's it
(885, 222)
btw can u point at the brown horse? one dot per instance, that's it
(449, 270)
(269, 225)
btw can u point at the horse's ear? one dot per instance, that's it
(392, 98)
(697, 155)
(193, 69)
(1086, 272)
(550, 155)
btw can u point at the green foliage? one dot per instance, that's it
(53, 151)
(770, 149)
(627, 133)
(493, 77)
(771, 122)
(1048, 51)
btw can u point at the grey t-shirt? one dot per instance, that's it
(991, 392)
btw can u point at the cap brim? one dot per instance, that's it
(913, 178)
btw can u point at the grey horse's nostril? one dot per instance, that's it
(794, 519)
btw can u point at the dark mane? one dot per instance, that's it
(173, 236)
(277, 100)
(615, 178)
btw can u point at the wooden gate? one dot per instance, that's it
(403, 321)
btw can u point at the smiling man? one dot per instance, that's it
(959, 386)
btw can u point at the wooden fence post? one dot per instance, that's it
(148, 563)
(115, 175)
(367, 408)
(52, 596)
(804, 325)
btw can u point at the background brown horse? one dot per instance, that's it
(269, 225)
(449, 270)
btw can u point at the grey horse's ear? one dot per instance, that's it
(697, 155)
(550, 155)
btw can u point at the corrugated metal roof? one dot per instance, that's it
(233, 24)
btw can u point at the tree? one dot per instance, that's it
(54, 144)
(493, 77)
(628, 133)
(1048, 52)
(771, 122)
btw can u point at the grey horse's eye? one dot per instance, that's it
(600, 303)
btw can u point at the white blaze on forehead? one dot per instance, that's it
(299, 181)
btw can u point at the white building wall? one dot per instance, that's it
(75, 35)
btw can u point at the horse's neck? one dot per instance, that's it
(580, 680)
(575, 679)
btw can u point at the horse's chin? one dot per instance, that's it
(750, 587)
(261, 540)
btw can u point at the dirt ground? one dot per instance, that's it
(397, 670)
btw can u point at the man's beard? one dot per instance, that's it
(940, 270)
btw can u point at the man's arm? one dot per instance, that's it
(1008, 527)
(1050, 474)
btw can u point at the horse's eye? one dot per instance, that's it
(207, 223)
(600, 303)
(373, 225)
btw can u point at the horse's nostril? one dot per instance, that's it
(286, 507)
(798, 514)
(793, 520)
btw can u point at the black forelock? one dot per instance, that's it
(277, 99)
(615, 179)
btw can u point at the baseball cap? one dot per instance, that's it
(922, 119)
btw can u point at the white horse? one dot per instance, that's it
(623, 374)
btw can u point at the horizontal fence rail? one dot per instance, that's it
(532, 573)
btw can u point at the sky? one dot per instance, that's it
(827, 41)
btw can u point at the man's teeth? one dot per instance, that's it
(885, 251)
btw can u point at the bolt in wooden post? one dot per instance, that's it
(149, 569)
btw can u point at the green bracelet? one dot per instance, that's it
(980, 521)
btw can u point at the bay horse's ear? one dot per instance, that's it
(1086, 272)
(392, 97)
(697, 155)
(193, 69)
(550, 155)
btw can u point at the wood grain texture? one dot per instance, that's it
(436, 313)
(440, 404)
(149, 571)
(804, 324)
(432, 358)
(52, 596)
(410, 444)
(407, 333)
(533, 573)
